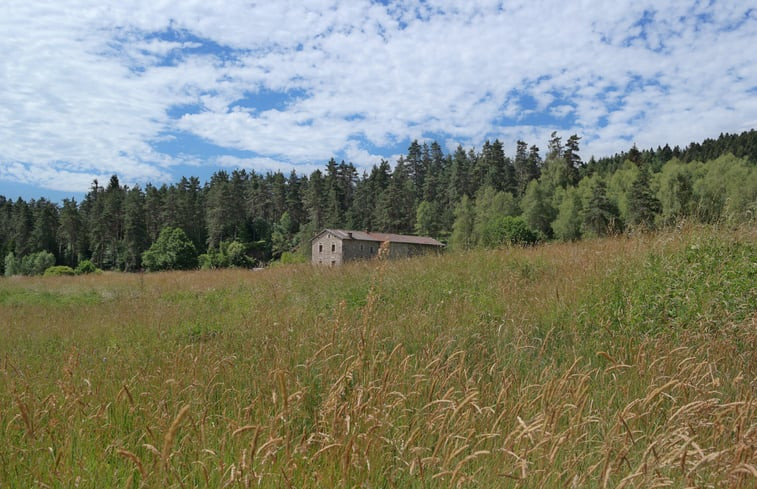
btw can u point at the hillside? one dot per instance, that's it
(613, 362)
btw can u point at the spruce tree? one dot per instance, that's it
(643, 206)
(600, 216)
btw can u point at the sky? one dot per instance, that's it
(155, 90)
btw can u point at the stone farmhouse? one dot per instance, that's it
(336, 246)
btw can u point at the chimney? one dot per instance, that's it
(349, 234)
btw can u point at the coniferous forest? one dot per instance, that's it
(473, 198)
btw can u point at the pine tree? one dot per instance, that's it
(525, 167)
(572, 158)
(135, 229)
(22, 223)
(217, 208)
(43, 236)
(315, 202)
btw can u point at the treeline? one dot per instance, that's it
(467, 198)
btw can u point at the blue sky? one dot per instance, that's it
(155, 90)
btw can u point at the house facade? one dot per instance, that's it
(337, 246)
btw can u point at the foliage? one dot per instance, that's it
(567, 224)
(172, 251)
(34, 264)
(12, 265)
(271, 213)
(727, 191)
(642, 203)
(85, 267)
(538, 211)
(59, 270)
(462, 229)
(228, 254)
(600, 215)
(507, 230)
(291, 258)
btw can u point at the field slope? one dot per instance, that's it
(623, 362)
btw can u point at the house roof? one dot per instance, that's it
(381, 237)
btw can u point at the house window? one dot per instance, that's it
(333, 247)
(361, 247)
(371, 249)
(333, 262)
(320, 248)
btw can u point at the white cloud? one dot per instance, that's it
(87, 91)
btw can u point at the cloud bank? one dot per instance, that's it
(147, 89)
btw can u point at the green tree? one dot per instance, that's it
(676, 192)
(643, 206)
(12, 265)
(567, 224)
(462, 229)
(70, 233)
(538, 211)
(460, 176)
(283, 236)
(44, 230)
(426, 219)
(395, 209)
(727, 190)
(491, 205)
(600, 216)
(135, 229)
(525, 167)
(172, 251)
(572, 158)
(22, 223)
(507, 230)
(37, 263)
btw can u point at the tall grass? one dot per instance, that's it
(608, 363)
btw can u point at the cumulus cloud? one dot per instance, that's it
(91, 88)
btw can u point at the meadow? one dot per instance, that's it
(619, 362)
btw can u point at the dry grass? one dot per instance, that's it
(608, 363)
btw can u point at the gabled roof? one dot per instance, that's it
(380, 237)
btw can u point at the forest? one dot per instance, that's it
(469, 198)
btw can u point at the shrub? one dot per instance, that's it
(507, 230)
(59, 270)
(85, 267)
(288, 258)
(228, 254)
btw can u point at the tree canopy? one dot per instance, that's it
(243, 218)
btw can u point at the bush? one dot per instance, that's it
(59, 270)
(228, 254)
(85, 267)
(507, 230)
(172, 251)
(288, 258)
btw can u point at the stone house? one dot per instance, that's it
(336, 246)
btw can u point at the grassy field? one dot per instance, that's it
(623, 362)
